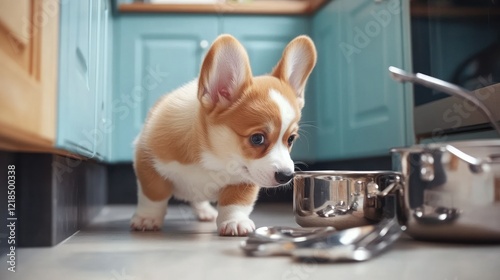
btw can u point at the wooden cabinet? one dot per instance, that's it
(83, 78)
(356, 109)
(28, 74)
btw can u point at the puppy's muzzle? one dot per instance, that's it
(283, 177)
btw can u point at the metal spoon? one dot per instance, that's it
(355, 244)
(267, 241)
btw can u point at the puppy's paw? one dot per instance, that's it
(240, 227)
(204, 211)
(143, 223)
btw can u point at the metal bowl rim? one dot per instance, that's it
(345, 173)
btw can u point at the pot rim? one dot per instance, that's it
(340, 173)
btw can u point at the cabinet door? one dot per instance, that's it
(28, 73)
(102, 132)
(84, 78)
(361, 111)
(78, 88)
(264, 37)
(374, 104)
(154, 55)
(322, 113)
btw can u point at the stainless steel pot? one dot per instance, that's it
(342, 199)
(450, 191)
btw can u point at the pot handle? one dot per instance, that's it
(476, 164)
(449, 88)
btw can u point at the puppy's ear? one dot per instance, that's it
(296, 64)
(225, 73)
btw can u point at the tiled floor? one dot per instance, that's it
(187, 249)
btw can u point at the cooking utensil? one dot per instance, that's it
(267, 241)
(354, 244)
(440, 85)
(326, 244)
(451, 191)
(342, 199)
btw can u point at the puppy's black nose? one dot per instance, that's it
(283, 177)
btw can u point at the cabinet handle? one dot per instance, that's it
(204, 44)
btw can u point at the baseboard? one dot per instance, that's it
(55, 196)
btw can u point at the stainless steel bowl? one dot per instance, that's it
(451, 191)
(342, 199)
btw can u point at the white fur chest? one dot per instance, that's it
(195, 183)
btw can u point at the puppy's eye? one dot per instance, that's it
(290, 140)
(257, 139)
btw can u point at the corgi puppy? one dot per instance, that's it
(221, 137)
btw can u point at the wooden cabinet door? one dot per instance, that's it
(155, 54)
(28, 57)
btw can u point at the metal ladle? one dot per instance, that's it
(440, 85)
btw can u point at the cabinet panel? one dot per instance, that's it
(373, 103)
(361, 111)
(80, 82)
(103, 82)
(264, 37)
(77, 90)
(156, 55)
(326, 119)
(28, 51)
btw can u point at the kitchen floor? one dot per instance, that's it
(187, 249)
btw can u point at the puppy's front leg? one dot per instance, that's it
(235, 205)
(154, 191)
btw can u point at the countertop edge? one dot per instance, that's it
(275, 7)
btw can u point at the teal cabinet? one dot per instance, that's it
(353, 109)
(356, 109)
(264, 37)
(81, 77)
(154, 54)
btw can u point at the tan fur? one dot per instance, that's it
(244, 194)
(280, 72)
(153, 185)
